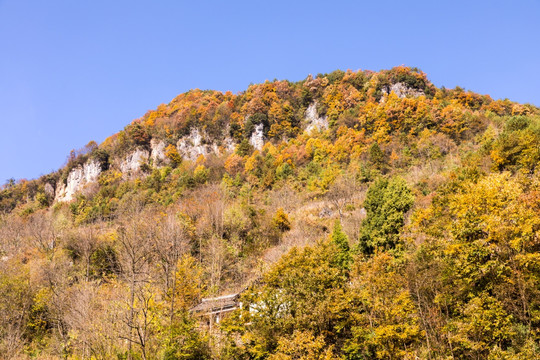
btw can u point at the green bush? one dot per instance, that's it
(386, 203)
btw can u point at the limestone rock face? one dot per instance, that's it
(314, 121)
(133, 161)
(198, 143)
(257, 137)
(228, 144)
(157, 153)
(49, 190)
(402, 90)
(91, 170)
(191, 146)
(77, 179)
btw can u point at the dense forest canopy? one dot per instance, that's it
(358, 215)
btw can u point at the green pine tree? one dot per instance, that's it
(341, 240)
(386, 203)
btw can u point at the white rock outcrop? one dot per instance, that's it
(402, 91)
(133, 161)
(257, 137)
(314, 121)
(191, 146)
(77, 179)
(228, 144)
(157, 153)
(49, 190)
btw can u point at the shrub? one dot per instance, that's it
(172, 154)
(281, 221)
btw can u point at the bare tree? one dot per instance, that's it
(57, 272)
(12, 234)
(214, 262)
(85, 241)
(285, 197)
(206, 206)
(43, 233)
(79, 317)
(171, 242)
(342, 192)
(136, 244)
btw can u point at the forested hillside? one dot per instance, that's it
(359, 215)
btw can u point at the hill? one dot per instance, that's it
(357, 215)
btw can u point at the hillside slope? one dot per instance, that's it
(361, 215)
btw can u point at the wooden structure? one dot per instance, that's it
(214, 309)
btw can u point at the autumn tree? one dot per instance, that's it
(303, 291)
(385, 321)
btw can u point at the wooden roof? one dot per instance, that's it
(217, 304)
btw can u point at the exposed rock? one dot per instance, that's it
(77, 179)
(228, 144)
(49, 190)
(402, 91)
(157, 153)
(92, 169)
(325, 213)
(314, 121)
(191, 146)
(197, 143)
(133, 161)
(214, 148)
(257, 137)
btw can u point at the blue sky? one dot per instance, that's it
(75, 71)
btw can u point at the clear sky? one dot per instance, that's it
(75, 71)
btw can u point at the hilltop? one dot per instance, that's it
(360, 108)
(363, 214)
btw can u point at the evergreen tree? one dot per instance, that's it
(377, 156)
(343, 256)
(386, 203)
